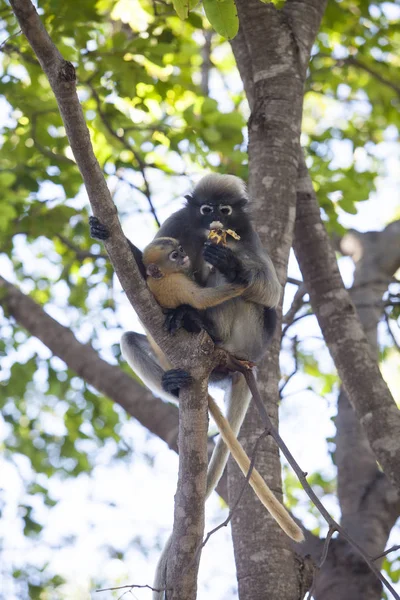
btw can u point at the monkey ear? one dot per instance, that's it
(153, 271)
(189, 199)
(241, 203)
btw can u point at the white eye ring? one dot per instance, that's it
(174, 255)
(225, 209)
(206, 209)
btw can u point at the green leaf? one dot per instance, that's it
(222, 15)
(182, 8)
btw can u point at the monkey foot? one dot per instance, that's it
(184, 316)
(247, 364)
(175, 379)
(235, 364)
(98, 231)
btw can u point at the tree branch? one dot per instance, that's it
(343, 332)
(351, 60)
(268, 58)
(304, 17)
(369, 503)
(206, 64)
(157, 416)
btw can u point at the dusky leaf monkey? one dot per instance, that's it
(242, 325)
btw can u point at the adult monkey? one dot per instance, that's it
(167, 267)
(243, 326)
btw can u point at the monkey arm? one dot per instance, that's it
(209, 297)
(176, 289)
(202, 298)
(99, 231)
(251, 266)
(227, 263)
(264, 287)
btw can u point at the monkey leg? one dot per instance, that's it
(138, 353)
(238, 399)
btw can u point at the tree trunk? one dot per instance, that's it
(272, 62)
(369, 504)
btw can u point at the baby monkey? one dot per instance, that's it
(167, 269)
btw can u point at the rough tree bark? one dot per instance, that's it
(369, 503)
(272, 52)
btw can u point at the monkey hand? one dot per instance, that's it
(226, 262)
(98, 231)
(175, 379)
(184, 316)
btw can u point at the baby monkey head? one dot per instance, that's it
(164, 256)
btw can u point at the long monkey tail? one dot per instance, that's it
(237, 402)
(263, 492)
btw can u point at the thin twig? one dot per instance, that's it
(296, 365)
(251, 382)
(42, 149)
(238, 499)
(284, 330)
(297, 303)
(324, 555)
(395, 342)
(392, 549)
(128, 146)
(351, 60)
(131, 586)
(80, 254)
(294, 281)
(10, 37)
(355, 62)
(206, 64)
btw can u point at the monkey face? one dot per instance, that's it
(178, 259)
(167, 255)
(229, 214)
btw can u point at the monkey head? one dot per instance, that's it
(219, 198)
(163, 256)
